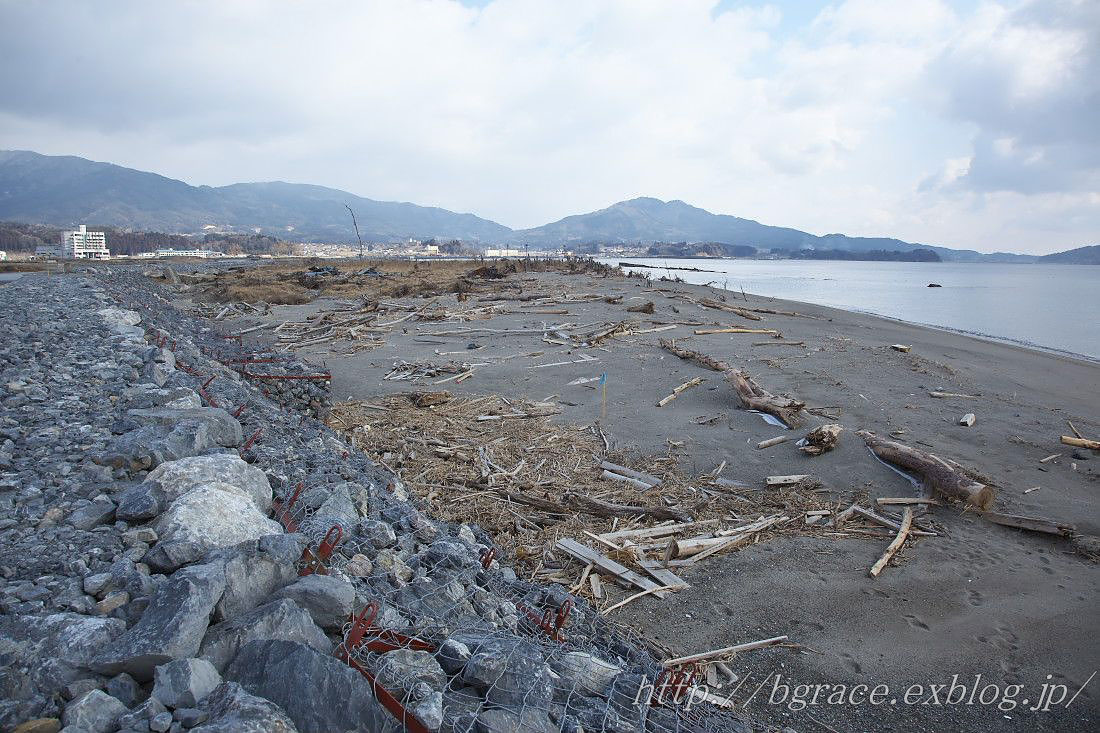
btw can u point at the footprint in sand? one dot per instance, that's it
(851, 662)
(974, 598)
(915, 622)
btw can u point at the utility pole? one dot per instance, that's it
(356, 225)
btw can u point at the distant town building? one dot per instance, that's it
(203, 253)
(3, 255)
(76, 245)
(503, 253)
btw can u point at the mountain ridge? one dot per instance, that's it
(66, 190)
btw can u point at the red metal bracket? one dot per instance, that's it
(282, 513)
(674, 680)
(382, 641)
(251, 439)
(239, 410)
(550, 623)
(487, 557)
(206, 395)
(316, 563)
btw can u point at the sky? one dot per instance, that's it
(970, 124)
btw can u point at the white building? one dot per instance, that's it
(503, 253)
(203, 253)
(84, 245)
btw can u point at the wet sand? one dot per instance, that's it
(1012, 606)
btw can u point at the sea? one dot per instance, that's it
(1049, 307)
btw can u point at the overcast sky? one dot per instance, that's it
(969, 124)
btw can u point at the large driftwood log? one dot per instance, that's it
(753, 396)
(938, 475)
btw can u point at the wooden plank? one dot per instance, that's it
(605, 564)
(662, 530)
(785, 480)
(905, 501)
(661, 573)
(1034, 524)
(725, 651)
(624, 471)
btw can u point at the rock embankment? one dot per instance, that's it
(182, 547)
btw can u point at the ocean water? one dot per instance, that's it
(1054, 307)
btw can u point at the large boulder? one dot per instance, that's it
(283, 620)
(328, 599)
(232, 710)
(222, 427)
(95, 712)
(254, 570)
(510, 671)
(338, 699)
(176, 478)
(172, 626)
(213, 515)
(182, 683)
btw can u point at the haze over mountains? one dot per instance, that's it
(65, 190)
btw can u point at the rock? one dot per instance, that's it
(394, 566)
(328, 599)
(172, 626)
(184, 682)
(511, 672)
(190, 717)
(402, 668)
(176, 478)
(91, 515)
(507, 721)
(76, 688)
(139, 504)
(232, 710)
(139, 535)
(125, 689)
(452, 656)
(222, 427)
(359, 566)
(377, 532)
(340, 698)
(114, 600)
(161, 722)
(1081, 454)
(337, 508)
(142, 714)
(585, 672)
(968, 420)
(95, 712)
(211, 516)
(255, 570)
(39, 725)
(167, 557)
(98, 583)
(281, 620)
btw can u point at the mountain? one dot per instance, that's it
(65, 190)
(647, 220)
(1081, 256)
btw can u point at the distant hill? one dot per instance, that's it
(65, 190)
(1081, 256)
(649, 220)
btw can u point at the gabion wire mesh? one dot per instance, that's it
(448, 638)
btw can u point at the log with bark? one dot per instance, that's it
(942, 477)
(753, 396)
(1081, 442)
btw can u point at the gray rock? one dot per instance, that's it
(76, 688)
(190, 717)
(377, 532)
(184, 682)
(95, 712)
(280, 670)
(125, 688)
(328, 599)
(213, 515)
(452, 656)
(91, 515)
(139, 503)
(584, 672)
(255, 570)
(167, 557)
(511, 671)
(161, 722)
(142, 714)
(232, 710)
(282, 620)
(172, 626)
(507, 721)
(95, 585)
(176, 478)
(222, 427)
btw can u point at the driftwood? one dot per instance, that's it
(753, 396)
(821, 439)
(644, 308)
(602, 508)
(939, 475)
(1081, 442)
(718, 305)
(624, 471)
(676, 392)
(606, 565)
(903, 533)
(725, 652)
(773, 441)
(1033, 524)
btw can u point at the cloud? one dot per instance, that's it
(525, 111)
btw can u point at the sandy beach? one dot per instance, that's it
(1015, 607)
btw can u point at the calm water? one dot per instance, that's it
(1050, 306)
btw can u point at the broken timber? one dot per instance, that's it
(1081, 442)
(606, 565)
(753, 396)
(893, 547)
(1034, 524)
